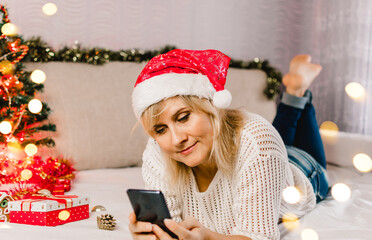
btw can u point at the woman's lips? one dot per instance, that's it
(188, 150)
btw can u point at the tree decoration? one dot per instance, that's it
(23, 124)
(39, 51)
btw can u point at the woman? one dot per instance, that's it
(223, 171)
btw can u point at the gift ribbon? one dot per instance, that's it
(64, 199)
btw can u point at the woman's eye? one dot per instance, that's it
(184, 118)
(159, 130)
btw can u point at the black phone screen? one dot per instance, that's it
(150, 206)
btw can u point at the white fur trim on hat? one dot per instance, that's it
(160, 87)
(222, 99)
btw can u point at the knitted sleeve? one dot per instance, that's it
(153, 175)
(260, 179)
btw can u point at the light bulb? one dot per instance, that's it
(38, 76)
(341, 192)
(50, 9)
(35, 106)
(362, 162)
(291, 195)
(5, 127)
(9, 29)
(31, 149)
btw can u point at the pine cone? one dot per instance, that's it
(106, 222)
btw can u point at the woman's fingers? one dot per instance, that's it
(160, 234)
(190, 223)
(177, 229)
(138, 227)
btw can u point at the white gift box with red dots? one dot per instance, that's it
(51, 211)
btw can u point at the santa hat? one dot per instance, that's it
(182, 72)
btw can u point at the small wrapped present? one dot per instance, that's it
(49, 210)
(4, 209)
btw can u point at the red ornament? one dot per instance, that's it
(14, 46)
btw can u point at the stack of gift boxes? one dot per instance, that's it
(45, 209)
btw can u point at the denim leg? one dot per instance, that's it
(308, 137)
(285, 122)
(296, 123)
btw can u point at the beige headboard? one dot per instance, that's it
(92, 109)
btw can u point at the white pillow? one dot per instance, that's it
(341, 148)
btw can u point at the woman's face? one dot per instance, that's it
(182, 134)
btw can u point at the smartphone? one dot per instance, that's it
(150, 206)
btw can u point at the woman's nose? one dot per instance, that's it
(178, 136)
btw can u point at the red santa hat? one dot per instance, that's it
(182, 72)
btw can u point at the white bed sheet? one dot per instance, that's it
(330, 219)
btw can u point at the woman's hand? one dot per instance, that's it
(190, 229)
(140, 230)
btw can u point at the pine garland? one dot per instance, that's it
(40, 51)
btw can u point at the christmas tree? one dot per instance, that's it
(23, 122)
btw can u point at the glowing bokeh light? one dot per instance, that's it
(341, 192)
(290, 221)
(362, 162)
(329, 128)
(291, 195)
(9, 29)
(50, 9)
(355, 91)
(14, 146)
(38, 76)
(5, 127)
(309, 234)
(31, 149)
(26, 174)
(35, 106)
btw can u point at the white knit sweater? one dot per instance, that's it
(250, 203)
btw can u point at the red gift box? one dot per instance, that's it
(49, 210)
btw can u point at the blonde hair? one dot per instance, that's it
(226, 125)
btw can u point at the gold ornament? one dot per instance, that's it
(98, 208)
(6, 67)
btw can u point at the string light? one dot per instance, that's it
(50, 9)
(31, 149)
(291, 195)
(341, 192)
(38, 76)
(309, 234)
(35, 106)
(355, 91)
(9, 29)
(5, 127)
(362, 162)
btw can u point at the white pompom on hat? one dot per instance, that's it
(200, 73)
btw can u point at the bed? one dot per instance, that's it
(109, 158)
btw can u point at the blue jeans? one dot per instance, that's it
(296, 123)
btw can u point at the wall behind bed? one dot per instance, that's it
(336, 33)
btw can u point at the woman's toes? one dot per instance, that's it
(302, 58)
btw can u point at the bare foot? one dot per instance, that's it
(301, 74)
